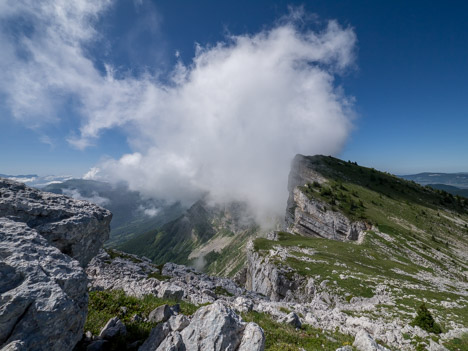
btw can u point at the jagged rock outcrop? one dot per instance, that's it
(43, 299)
(310, 217)
(113, 328)
(77, 228)
(135, 276)
(45, 240)
(214, 327)
(127, 273)
(302, 171)
(267, 278)
(266, 275)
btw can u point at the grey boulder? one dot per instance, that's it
(113, 328)
(173, 342)
(293, 320)
(364, 342)
(253, 338)
(179, 322)
(156, 337)
(160, 314)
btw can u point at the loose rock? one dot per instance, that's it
(160, 314)
(113, 328)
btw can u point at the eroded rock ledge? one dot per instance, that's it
(77, 228)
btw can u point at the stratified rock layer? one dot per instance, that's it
(77, 228)
(309, 217)
(43, 299)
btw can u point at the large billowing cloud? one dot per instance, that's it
(227, 124)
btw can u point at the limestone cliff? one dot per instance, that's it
(308, 216)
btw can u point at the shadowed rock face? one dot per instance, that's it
(45, 240)
(77, 228)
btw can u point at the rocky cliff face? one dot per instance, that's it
(311, 217)
(77, 228)
(366, 280)
(44, 241)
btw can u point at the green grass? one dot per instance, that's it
(221, 291)
(458, 344)
(103, 305)
(386, 184)
(232, 258)
(118, 254)
(282, 337)
(157, 275)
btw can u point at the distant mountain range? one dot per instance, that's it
(37, 181)
(453, 183)
(450, 189)
(458, 180)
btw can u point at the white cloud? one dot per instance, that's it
(94, 198)
(228, 124)
(149, 211)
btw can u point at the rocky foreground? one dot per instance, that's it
(45, 240)
(317, 308)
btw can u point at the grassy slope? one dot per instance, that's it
(283, 337)
(176, 240)
(422, 237)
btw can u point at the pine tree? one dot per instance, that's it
(425, 321)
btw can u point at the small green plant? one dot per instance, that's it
(219, 290)
(157, 275)
(458, 344)
(425, 321)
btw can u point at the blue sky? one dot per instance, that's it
(408, 80)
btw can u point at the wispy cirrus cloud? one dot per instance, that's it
(228, 123)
